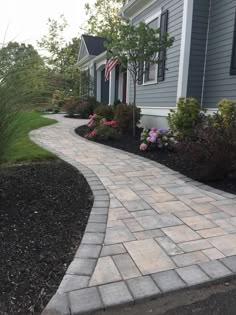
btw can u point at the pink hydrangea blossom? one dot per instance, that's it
(110, 123)
(143, 147)
(165, 138)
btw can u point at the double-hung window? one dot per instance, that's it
(233, 60)
(150, 70)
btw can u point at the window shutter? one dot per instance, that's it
(233, 60)
(162, 54)
(140, 73)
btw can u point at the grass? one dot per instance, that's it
(23, 149)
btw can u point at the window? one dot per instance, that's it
(150, 70)
(233, 61)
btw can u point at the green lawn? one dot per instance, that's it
(23, 149)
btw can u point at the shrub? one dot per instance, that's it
(101, 129)
(183, 120)
(227, 110)
(105, 111)
(75, 106)
(124, 117)
(213, 152)
(157, 138)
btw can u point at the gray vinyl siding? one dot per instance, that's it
(198, 48)
(219, 83)
(164, 93)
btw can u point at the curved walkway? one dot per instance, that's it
(164, 231)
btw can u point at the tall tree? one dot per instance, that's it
(103, 19)
(62, 55)
(137, 46)
(22, 65)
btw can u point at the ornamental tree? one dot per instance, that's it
(139, 46)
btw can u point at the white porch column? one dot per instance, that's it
(99, 87)
(112, 80)
(120, 92)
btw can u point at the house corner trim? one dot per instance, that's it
(185, 48)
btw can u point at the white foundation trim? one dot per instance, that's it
(155, 111)
(185, 48)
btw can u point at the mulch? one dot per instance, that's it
(171, 159)
(44, 208)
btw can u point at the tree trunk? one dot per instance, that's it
(134, 107)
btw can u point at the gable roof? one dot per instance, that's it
(94, 44)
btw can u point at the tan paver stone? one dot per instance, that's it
(110, 250)
(118, 235)
(125, 194)
(213, 253)
(230, 209)
(189, 259)
(126, 266)
(211, 232)
(143, 213)
(198, 223)
(133, 225)
(105, 272)
(194, 245)
(169, 246)
(170, 206)
(205, 208)
(184, 190)
(148, 234)
(180, 234)
(118, 214)
(158, 221)
(185, 214)
(148, 256)
(114, 203)
(162, 197)
(136, 205)
(225, 244)
(217, 216)
(226, 226)
(203, 199)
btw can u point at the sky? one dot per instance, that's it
(26, 20)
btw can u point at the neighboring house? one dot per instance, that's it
(201, 63)
(92, 60)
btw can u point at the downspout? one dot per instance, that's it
(206, 51)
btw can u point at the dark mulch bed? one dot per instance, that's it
(173, 160)
(44, 208)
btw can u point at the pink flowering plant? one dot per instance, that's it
(157, 138)
(101, 129)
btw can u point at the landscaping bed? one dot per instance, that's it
(44, 208)
(176, 161)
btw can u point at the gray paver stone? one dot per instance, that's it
(73, 282)
(98, 218)
(93, 238)
(126, 266)
(115, 294)
(215, 269)
(82, 266)
(88, 251)
(96, 227)
(168, 281)
(113, 250)
(85, 301)
(230, 262)
(192, 275)
(142, 287)
(58, 305)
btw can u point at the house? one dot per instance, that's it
(92, 60)
(201, 63)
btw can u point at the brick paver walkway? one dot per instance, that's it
(151, 229)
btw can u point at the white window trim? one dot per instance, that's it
(147, 21)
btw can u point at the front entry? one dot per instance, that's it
(104, 88)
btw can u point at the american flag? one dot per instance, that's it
(110, 64)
